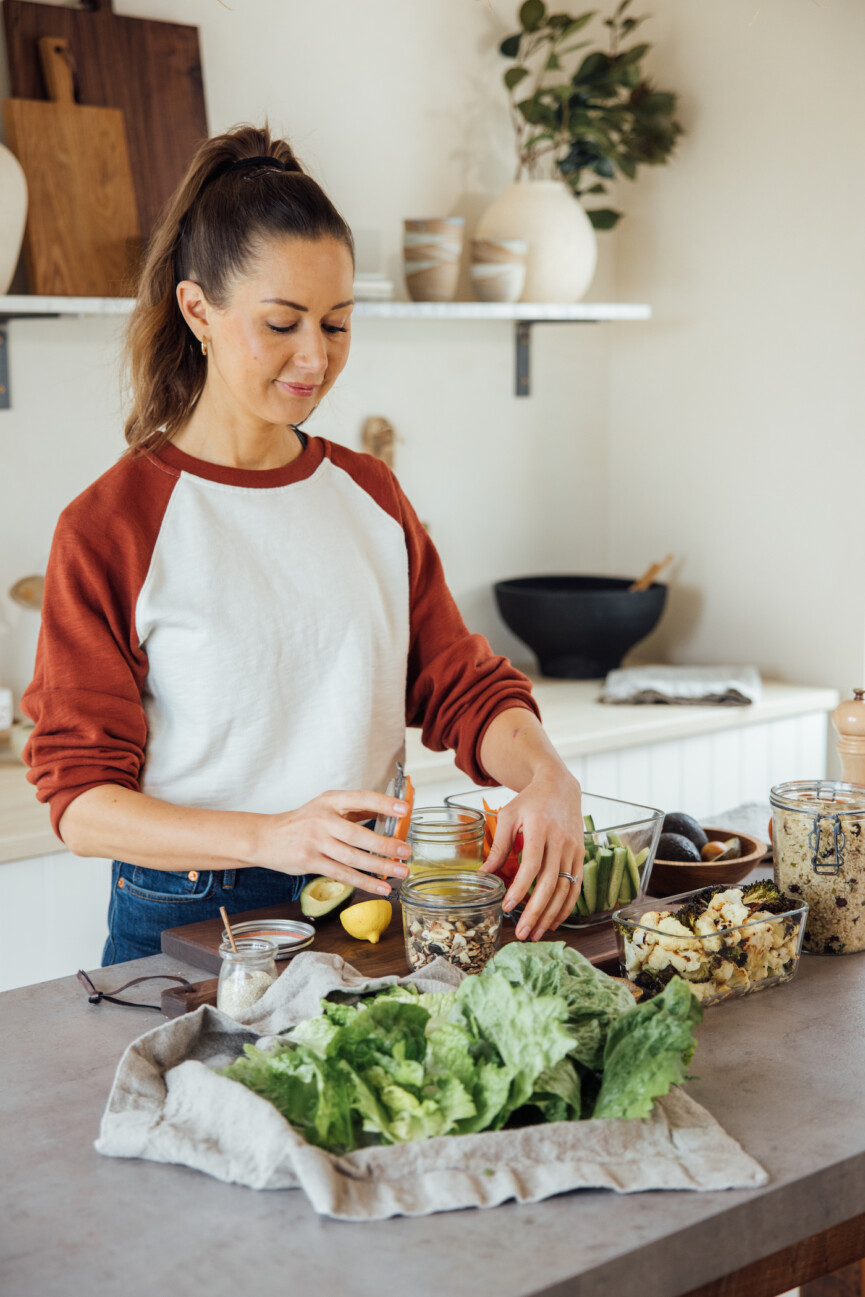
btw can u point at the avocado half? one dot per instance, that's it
(322, 896)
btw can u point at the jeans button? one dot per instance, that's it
(193, 875)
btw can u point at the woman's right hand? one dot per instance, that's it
(324, 837)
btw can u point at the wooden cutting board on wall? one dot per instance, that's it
(82, 236)
(150, 70)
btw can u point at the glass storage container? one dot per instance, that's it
(446, 837)
(818, 830)
(740, 956)
(456, 915)
(245, 974)
(621, 839)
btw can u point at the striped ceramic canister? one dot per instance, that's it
(431, 257)
(499, 269)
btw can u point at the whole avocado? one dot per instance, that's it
(686, 826)
(675, 846)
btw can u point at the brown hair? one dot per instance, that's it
(209, 233)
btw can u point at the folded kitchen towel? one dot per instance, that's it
(694, 686)
(168, 1103)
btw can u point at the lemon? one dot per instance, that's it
(367, 920)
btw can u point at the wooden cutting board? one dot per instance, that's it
(150, 70)
(82, 237)
(198, 944)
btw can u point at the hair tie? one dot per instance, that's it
(261, 160)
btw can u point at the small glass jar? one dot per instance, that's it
(446, 837)
(245, 974)
(453, 915)
(818, 832)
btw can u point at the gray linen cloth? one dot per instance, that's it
(169, 1104)
(685, 686)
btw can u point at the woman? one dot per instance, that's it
(238, 617)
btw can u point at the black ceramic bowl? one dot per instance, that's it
(580, 627)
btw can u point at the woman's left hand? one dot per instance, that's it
(548, 812)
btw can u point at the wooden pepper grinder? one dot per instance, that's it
(849, 720)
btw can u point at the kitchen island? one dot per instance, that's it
(781, 1072)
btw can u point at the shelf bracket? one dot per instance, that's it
(523, 335)
(4, 366)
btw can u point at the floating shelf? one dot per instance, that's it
(522, 314)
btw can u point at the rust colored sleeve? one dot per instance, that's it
(85, 696)
(456, 685)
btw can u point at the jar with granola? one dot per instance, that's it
(455, 915)
(818, 830)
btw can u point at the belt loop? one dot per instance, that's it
(228, 876)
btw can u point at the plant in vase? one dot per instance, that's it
(585, 116)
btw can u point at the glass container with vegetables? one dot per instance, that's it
(818, 829)
(621, 838)
(724, 941)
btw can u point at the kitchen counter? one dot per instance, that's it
(576, 722)
(779, 1071)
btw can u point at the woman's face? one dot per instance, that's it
(283, 338)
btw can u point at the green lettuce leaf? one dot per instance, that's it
(647, 1052)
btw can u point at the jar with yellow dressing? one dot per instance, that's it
(445, 837)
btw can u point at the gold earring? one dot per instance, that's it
(203, 347)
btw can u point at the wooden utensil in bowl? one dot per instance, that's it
(670, 877)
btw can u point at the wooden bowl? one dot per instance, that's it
(671, 876)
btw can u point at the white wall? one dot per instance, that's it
(398, 109)
(727, 430)
(737, 418)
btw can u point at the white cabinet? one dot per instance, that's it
(53, 917)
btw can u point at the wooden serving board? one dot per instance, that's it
(149, 70)
(198, 944)
(82, 236)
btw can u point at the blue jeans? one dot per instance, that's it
(146, 901)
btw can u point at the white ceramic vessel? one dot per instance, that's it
(563, 250)
(13, 214)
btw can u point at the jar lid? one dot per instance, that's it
(819, 797)
(452, 890)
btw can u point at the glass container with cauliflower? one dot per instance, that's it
(724, 941)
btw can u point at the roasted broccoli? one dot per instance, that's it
(654, 983)
(764, 895)
(688, 914)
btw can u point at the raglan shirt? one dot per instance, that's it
(247, 639)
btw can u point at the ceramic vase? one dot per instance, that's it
(431, 257)
(498, 269)
(563, 250)
(13, 214)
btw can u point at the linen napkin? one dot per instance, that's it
(688, 686)
(169, 1104)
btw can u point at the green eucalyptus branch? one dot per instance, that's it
(601, 117)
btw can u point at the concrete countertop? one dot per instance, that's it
(781, 1072)
(576, 722)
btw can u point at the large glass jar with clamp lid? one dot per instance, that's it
(818, 830)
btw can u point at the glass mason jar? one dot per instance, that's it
(446, 837)
(453, 914)
(245, 974)
(818, 830)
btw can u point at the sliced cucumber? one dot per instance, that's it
(582, 907)
(590, 885)
(633, 870)
(617, 872)
(589, 823)
(605, 869)
(614, 839)
(626, 891)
